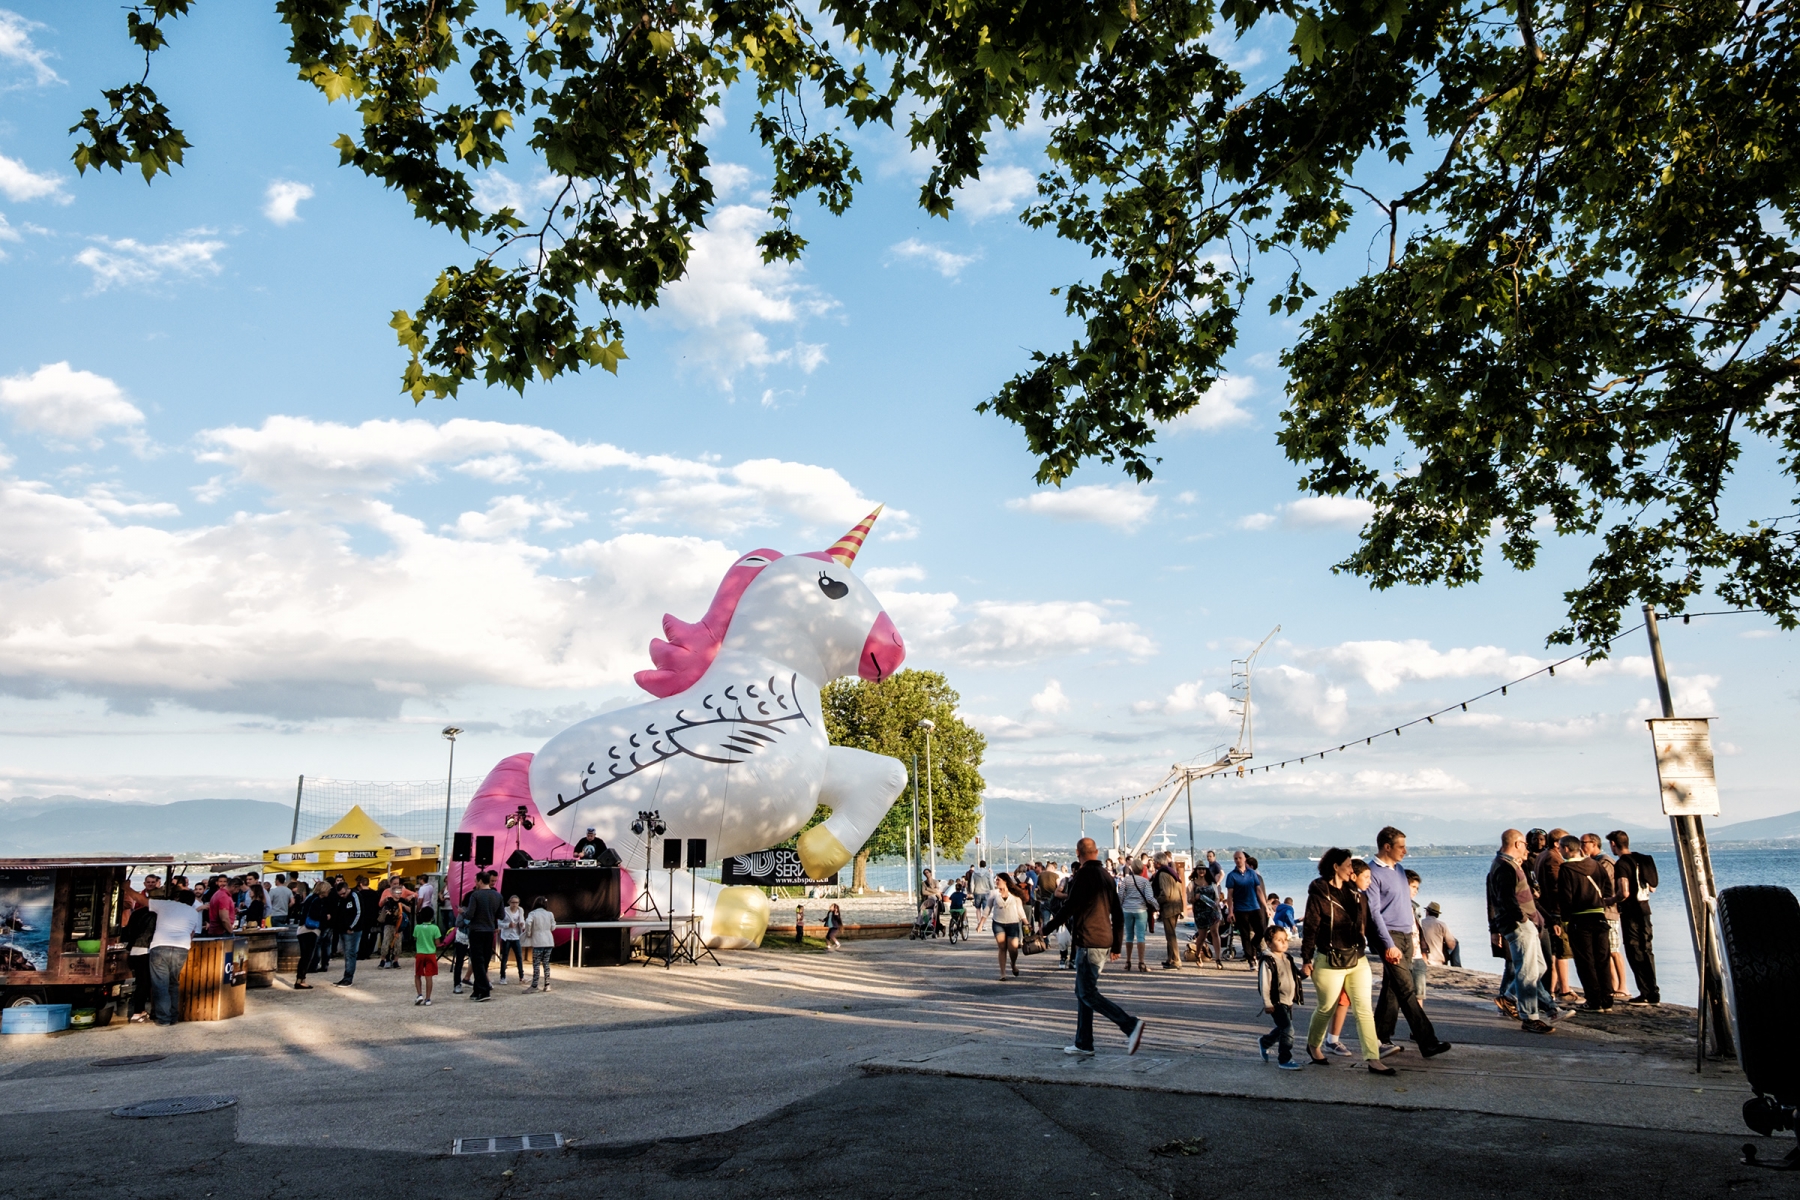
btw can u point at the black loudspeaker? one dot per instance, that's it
(696, 852)
(671, 853)
(484, 850)
(462, 847)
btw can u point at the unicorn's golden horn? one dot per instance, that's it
(845, 548)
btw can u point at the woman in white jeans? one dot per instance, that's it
(540, 931)
(1009, 923)
(1337, 931)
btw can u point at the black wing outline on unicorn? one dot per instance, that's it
(758, 715)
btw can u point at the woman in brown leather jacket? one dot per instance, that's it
(1338, 927)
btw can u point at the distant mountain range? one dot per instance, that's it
(33, 827)
(61, 825)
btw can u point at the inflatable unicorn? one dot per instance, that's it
(734, 748)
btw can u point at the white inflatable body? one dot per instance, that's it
(735, 750)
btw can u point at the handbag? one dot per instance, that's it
(1033, 943)
(1340, 958)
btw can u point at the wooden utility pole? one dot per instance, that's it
(1695, 863)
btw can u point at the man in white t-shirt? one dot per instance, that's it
(426, 900)
(177, 921)
(281, 899)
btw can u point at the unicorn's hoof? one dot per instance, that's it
(821, 853)
(740, 917)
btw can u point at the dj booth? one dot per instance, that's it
(577, 893)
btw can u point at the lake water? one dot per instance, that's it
(1458, 884)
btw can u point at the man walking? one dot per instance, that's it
(1170, 897)
(1635, 875)
(1513, 915)
(483, 910)
(1096, 925)
(1249, 906)
(1390, 901)
(981, 887)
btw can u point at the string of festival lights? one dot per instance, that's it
(1429, 718)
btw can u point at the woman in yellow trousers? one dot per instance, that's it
(1338, 927)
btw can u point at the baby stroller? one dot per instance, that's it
(926, 924)
(959, 925)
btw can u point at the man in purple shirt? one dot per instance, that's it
(1390, 902)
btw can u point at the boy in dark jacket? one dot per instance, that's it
(1278, 979)
(1096, 925)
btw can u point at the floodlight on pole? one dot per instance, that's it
(450, 734)
(927, 724)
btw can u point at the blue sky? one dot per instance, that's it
(233, 553)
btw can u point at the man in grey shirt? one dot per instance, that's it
(281, 898)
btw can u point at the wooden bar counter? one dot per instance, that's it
(212, 982)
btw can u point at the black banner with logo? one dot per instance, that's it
(770, 868)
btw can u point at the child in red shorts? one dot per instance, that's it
(425, 952)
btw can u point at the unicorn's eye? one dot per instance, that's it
(832, 587)
(753, 560)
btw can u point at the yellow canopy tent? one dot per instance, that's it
(355, 843)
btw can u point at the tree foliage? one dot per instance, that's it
(883, 718)
(1578, 317)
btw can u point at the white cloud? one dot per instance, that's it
(311, 462)
(283, 200)
(939, 626)
(1051, 700)
(1219, 407)
(65, 403)
(126, 262)
(1328, 512)
(1121, 505)
(729, 178)
(1385, 665)
(17, 49)
(1191, 697)
(19, 182)
(297, 614)
(1313, 512)
(729, 293)
(508, 515)
(998, 192)
(945, 262)
(1303, 694)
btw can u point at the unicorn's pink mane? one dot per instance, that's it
(683, 659)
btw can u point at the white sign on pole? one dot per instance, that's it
(1684, 766)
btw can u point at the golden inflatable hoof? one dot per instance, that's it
(740, 917)
(821, 853)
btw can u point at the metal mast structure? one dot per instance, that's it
(1181, 776)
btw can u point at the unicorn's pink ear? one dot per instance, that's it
(845, 548)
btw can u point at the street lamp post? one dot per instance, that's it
(450, 735)
(930, 811)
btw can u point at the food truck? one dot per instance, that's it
(62, 933)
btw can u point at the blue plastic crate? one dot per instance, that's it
(35, 1018)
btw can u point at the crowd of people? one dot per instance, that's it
(342, 918)
(1560, 911)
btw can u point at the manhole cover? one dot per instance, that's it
(177, 1106)
(129, 1060)
(506, 1145)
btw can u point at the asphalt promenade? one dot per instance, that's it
(888, 1069)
